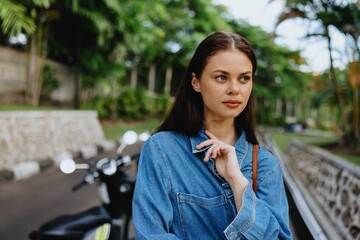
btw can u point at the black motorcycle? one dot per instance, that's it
(111, 220)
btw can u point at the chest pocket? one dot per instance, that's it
(203, 218)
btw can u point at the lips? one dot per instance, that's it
(232, 103)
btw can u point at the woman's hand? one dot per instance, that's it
(224, 155)
(226, 164)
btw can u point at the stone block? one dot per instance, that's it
(107, 145)
(61, 156)
(88, 151)
(25, 169)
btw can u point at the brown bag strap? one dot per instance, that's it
(255, 165)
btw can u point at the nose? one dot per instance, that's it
(233, 88)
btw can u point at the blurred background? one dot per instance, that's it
(123, 59)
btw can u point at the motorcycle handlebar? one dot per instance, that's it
(127, 159)
(88, 179)
(105, 167)
(79, 185)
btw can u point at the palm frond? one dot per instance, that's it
(14, 19)
(102, 24)
(290, 14)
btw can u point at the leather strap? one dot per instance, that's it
(255, 166)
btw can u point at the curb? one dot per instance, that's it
(34, 167)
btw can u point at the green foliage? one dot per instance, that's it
(19, 16)
(132, 103)
(102, 104)
(162, 105)
(14, 18)
(103, 40)
(50, 82)
(266, 117)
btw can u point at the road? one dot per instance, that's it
(26, 204)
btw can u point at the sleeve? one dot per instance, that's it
(264, 215)
(152, 208)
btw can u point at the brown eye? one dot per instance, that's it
(245, 79)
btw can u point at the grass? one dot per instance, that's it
(349, 157)
(283, 140)
(113, 130)
(27, 108)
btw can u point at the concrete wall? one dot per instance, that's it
(41, 137)
(332, 182)
(12, 74)
(13, 78)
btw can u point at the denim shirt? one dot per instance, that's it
(179, 196)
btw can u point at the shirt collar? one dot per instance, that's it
(197, 139)
(241, 144)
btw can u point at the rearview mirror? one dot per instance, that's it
(130, 137)
(67, 166)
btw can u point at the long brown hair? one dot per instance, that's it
(187, 112)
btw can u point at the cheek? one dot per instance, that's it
(210, 98)
(247, 90)
(211, 90)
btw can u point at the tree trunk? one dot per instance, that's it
(114, 97)
(33, 72)
(134, 74)
(152, 72)
(37, 53)
(42, 40)
(168, 76)
(289, 108)
(354, 81)
(77, 94)
(278, 109)
(340, 100)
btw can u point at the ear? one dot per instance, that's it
(195, 83)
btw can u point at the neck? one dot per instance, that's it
(222, 130)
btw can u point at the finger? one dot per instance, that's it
(210, 135)
(217, 151)
(205, 144)
(209, 153)
(207, 156)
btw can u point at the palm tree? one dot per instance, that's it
(323, 12)
(14, 19)
(350, 27)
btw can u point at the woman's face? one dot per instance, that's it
(225, 85)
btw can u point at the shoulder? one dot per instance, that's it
(266, 154)
(167, 136)
(267, 161)
(166, 139)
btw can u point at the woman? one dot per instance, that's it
(194, 178)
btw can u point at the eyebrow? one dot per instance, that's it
(225, 72)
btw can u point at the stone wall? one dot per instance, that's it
(41, 136)
(334, 183)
